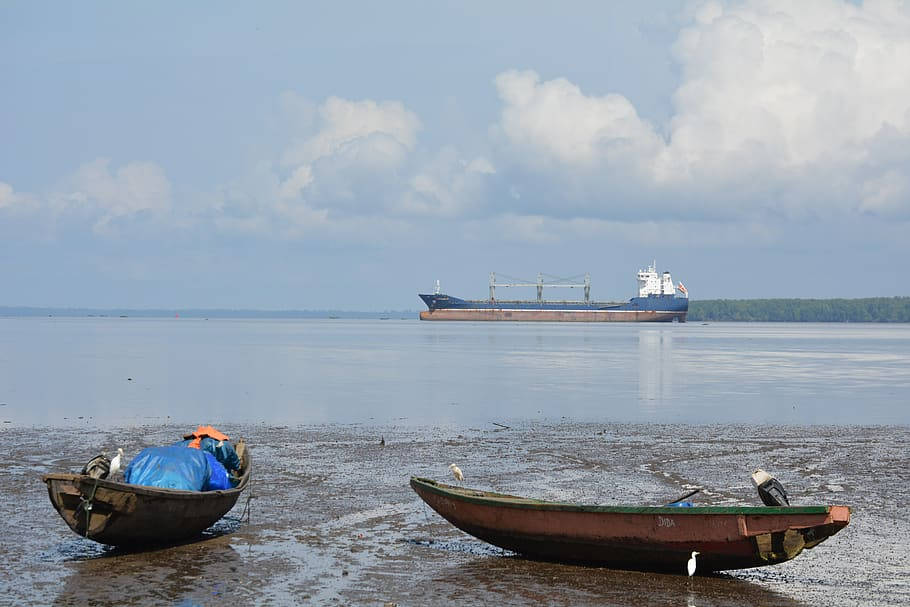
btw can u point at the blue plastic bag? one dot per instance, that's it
(169, 468)
(681, 505)
(218, 479)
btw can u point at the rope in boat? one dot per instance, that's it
(246, 508)
(247, 511)
(86, 504)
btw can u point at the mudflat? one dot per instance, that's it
(333, 520)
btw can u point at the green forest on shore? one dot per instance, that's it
(870, 309)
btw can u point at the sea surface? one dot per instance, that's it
(340, 413)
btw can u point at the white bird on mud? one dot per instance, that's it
(690, 566)
(456, 472)
(115, 463)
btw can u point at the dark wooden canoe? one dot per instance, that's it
(642, 538)
(120, 514)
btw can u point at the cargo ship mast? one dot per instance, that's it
(540, 284)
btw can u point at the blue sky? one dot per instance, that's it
(347, 155)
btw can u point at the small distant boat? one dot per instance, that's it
(121, 514)
(646, 538)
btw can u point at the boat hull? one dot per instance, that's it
(121, 514)
(554, 315)
(640, 538)
(663, 308)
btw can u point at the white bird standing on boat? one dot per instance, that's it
(115, 463)
(456, 472)
(690, 566)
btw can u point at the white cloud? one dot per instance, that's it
(344, 122)
(9, 198)
(781, 110)
(353, 163)
(347, 127)
(556, 123)
(447, 186)
(888, 194)
(809, 82)
(6, 194)
(784, 110)
(138, 187)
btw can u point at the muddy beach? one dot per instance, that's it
(333, 521)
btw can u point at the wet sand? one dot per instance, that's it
(333, 520)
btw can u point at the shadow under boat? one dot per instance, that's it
(197, 572)
(516, 580)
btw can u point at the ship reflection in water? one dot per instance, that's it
(655, 370)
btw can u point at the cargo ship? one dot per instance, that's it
(657, 301)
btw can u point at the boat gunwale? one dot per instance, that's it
(489, 498)
(150, 491)
(141, 489)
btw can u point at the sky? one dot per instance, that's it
(346, 155)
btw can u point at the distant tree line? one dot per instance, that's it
(870, 309)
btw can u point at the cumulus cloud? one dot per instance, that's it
(344, 122)
(357, 147)
(556, 123)
(133, 189)
(783, 110)
(447, 186)
(886, 194)
(94, 195)
(9, 198)
(351, 164)
(780, 109)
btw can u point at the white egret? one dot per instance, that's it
(691, 564)
(456, 472)
(115, 463)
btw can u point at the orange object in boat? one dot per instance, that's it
(202, 432)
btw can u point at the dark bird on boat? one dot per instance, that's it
(97, 467)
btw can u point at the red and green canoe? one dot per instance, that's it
(633, 537)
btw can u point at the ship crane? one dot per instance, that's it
(540, 284)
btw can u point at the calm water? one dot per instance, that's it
(116, 371)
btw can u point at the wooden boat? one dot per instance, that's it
(121, 514)
(641, 538)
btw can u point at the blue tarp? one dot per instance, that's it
(218, 479)
(170, 468)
